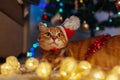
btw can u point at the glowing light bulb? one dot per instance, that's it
(30, 54)
(61, 4)
(112, 77)
(31, 63)
(67, 66)
(13, 61)
(83, 67)
(34, 45)
(81, 1)
(57, 0)
(96, 74)
(116, 70)
(97, 28)
(44, 69)
(110, 20)
(75, 76)
(6, 69)
(119, 2)
(119, 13)
(60, 10)
(32, 49)
(11, 58)
(45, 26)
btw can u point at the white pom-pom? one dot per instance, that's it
(72, 23)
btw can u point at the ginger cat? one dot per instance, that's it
(52, 40)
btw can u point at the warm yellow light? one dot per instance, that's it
(112, 77)
(116, 70)
(99, 75)
(81, 1)
(96, 74)
(11, 58)
(6, 69)
(31, 63)
(85, 24)
(83, 67)
(44, 69)
(68, 65)
(13, 61)
(63, 73)
(114, 73)
(75, 76)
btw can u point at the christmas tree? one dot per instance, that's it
(86, 11)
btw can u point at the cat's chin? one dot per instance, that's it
(53, 45)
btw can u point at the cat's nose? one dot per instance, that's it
(54, 37)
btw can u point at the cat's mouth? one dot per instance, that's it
(53, 44)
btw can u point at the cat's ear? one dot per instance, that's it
(41, 26)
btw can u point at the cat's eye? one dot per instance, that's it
(48, 34)
(58, 34)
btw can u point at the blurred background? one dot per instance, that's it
(19, 21)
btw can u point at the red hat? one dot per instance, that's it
(69, 26)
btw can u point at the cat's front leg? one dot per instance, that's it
(62, 52)
(56, 63)
(44, 58)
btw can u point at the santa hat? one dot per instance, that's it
(69, 26)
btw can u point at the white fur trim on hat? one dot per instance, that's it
(62, 29)
(72, 23)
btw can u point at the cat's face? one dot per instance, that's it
(51, 37)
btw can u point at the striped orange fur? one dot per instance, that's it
(106, 57)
